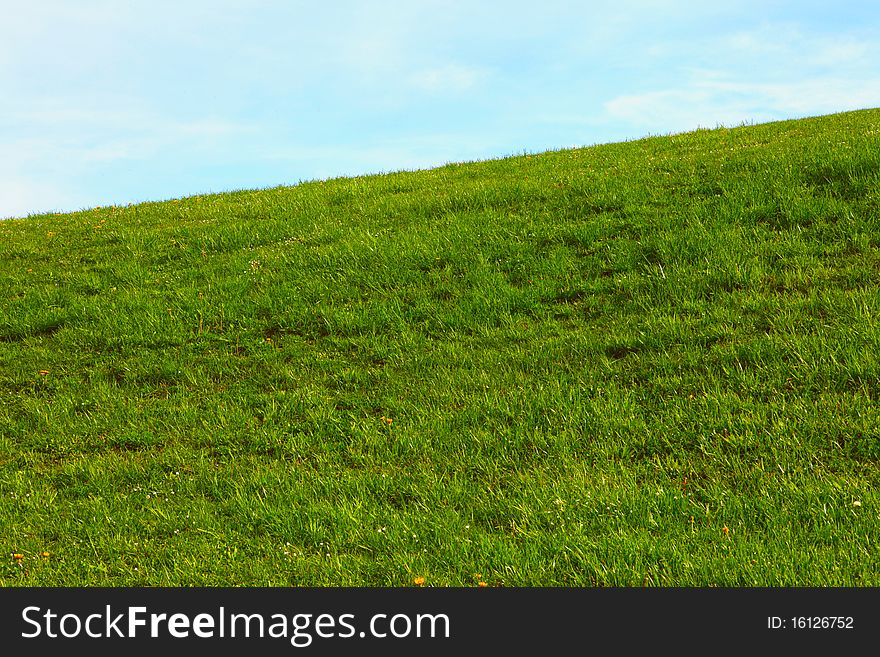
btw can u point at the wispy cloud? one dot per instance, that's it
(28, 195)
(772, 71)
(789, 44)
(454, 78)
(77, 136)
(708, 103)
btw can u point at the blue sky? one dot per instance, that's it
(119, 102)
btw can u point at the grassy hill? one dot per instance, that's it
(646, 363)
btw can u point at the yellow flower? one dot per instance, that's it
(419, 581)
(18, 556)
(482, 584)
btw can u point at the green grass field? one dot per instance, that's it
(646, 363)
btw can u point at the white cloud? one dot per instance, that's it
(844, 51)
(65, 143)
(453, 78)
(812, 96)
(789, 45)
(772, 71)
(713, 101)
(74, 128)
(424, 151)
(676, 110)
(20, 197)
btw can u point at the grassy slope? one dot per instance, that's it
(653, 362)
